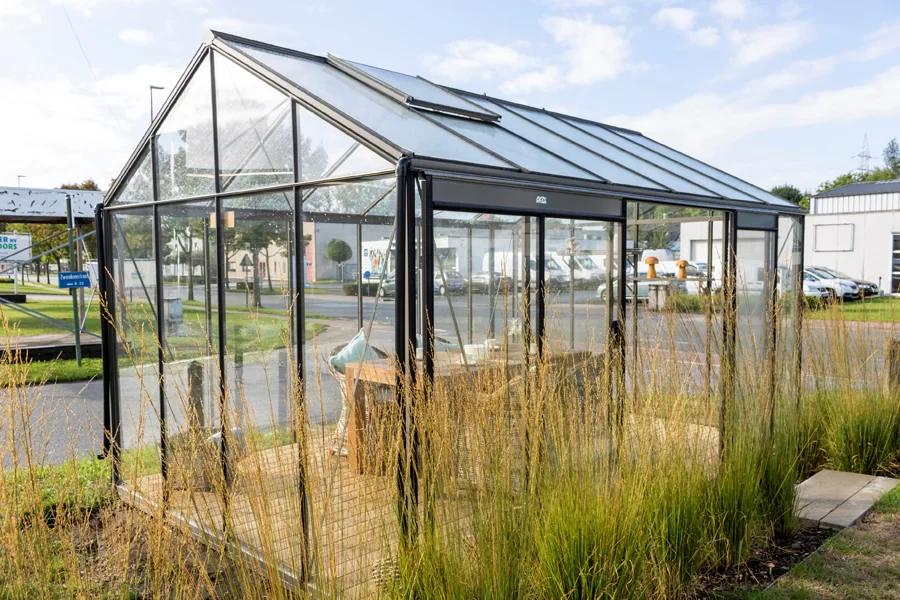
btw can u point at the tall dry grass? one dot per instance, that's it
(542, 477)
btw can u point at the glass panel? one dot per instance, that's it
(674, 324)
(191, 382)
(755, 278)
(139, 187)
(790, 247)
(351, 198)
(326, 151)
(421, 90)
(133, 268)
(522, 153)
(255, 139)
(578, 254)
(567, 149)
(264, 496)
(612, 152)
(397, 123)
(184, 148)
(353, 436)
(731, 180)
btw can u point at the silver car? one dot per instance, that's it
(837, 289)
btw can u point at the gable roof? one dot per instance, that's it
(863, 189)
(448, 129)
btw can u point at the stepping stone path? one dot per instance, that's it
(835, 500)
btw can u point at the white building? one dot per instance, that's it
(856, 229)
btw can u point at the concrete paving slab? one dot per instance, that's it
(859, 504)
(822, 493)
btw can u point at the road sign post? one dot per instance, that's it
(75, 311)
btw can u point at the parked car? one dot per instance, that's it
(451, 283)
(838, 288)
(812, 289)
(481, 281)
(389, 286)
(643, 290)
(866, 288)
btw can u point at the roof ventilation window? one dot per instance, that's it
(415, 92)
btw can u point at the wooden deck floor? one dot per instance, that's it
(352, 516)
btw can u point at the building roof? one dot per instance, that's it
(32, 205)
(448, 129)
(863, 189)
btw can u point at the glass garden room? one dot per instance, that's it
(301, 248)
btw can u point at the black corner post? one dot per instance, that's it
(160, 330)
(298, 412)
(220, 295)
(540, 286)
(729, 333)
(404, 290)
(427, 326)
(110, 448)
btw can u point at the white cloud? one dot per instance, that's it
(135, 37)
(18, 9)
(796, 74)
(706, 123)
(596, 52)
(678, 18)
(732, 10)
(226, 24)
(684, 20)
(478, 59)
(882, 41)
(760, 44)
(87, 7)
(64, 130)
(545, 80)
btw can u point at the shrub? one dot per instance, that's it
(683, 303)
(6, 280)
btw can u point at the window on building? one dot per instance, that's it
(895, 265)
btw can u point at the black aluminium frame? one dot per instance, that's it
(407, 171)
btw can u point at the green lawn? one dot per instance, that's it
(249, 330)
(863, 561)
(880, 310)
(30, 288)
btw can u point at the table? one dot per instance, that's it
(447, 366)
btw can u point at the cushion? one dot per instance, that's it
(356, 350)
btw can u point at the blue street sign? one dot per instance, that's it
(74, 279)
(367, 274)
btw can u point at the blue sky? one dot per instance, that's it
(777, 91)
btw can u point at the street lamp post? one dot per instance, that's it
(152, 88)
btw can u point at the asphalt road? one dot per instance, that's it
(65, 420)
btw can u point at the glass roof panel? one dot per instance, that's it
(424, 93)
(562, 146)
(612, 152)
(715, 186)
(395, 122)
(509, 146)
(706, 169)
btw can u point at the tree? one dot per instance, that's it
(338, 251)
(891, 156)
(791, 193)
(88, 185)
